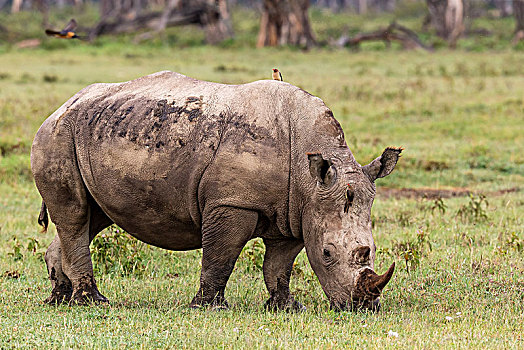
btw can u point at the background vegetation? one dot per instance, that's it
(459, 114)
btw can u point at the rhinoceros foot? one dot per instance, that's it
(287, 304)
(61, 293)
(216, 303)
(87, 293)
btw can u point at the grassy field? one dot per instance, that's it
(460, 276)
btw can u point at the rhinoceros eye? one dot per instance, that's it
(329, 255)
(350, 195)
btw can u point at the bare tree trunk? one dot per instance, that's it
(362, 6)
(437, 13)
(518, 10)
(43, 7)
(454, 20)
(504, 7)
(171, 4)
(285, 23)
(16, 5)
(390, 5)
(106, 8)
(218, 22)
(447, 17)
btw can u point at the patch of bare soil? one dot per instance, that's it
(434, 193)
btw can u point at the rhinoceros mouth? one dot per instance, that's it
(357, 305)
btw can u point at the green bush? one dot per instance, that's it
(475, 210)
(252, 256)
(115, 252)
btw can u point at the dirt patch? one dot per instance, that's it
(434, 193)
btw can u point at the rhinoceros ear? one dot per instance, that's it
(321, 169)
(383, 165)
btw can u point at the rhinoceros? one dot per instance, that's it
(185, 164)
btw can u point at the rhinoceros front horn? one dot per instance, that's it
(372, 283)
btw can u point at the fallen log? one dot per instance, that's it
(394, 32)
(197, 14)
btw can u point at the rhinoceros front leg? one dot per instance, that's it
(225, 231)
(278, 263)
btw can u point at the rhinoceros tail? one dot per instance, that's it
(43, 220)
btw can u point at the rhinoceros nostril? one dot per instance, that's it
(362, 253)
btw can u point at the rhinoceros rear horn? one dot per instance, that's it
(373, 284)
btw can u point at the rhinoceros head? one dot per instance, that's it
(337, 227)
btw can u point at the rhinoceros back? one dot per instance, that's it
(164, 146)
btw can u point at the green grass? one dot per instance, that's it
(459, 115)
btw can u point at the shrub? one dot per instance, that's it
(475, 209)
(253, 253)
(410, 250)
(114, 251)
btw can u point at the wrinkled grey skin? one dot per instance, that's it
(184, 164)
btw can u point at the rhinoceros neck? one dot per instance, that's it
(313, 129)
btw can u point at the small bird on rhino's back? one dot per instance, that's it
(67, 33)
(277, 75)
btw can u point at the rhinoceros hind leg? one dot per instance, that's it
(85, 288)
(60, 294)
(225, 231)
(62, 287)
(76, 260)
(86, 292)
(278, 263)
(55, 168)
(72, 215)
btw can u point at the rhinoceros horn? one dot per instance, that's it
(373, 284)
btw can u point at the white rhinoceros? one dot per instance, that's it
(185, 164)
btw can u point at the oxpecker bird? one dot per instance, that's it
(67, 33)
(277, 75)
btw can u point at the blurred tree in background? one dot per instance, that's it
(281, 22)
(127, 16)
(285, 23)
(518, 8)
(447, 17)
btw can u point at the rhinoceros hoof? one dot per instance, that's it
(87, 293)
(83, 297)
(289, 304)
(215, 304)
(61, 294)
